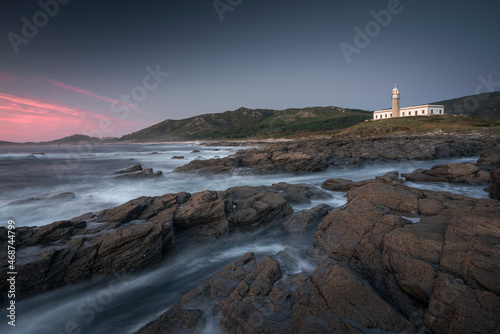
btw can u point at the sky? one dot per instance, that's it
(109, 68)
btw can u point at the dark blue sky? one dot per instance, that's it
(264, 54)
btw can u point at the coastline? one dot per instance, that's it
(58, 254)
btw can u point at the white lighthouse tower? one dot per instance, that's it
(395, 102)
(396, 111)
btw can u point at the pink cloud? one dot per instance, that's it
(89, 93)
(25, 119)
(81, 91)
(37, 104)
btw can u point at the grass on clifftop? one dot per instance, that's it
(421, 124)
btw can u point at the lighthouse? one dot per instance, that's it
(396, 111)
(395, 102)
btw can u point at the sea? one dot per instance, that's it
(125, 303)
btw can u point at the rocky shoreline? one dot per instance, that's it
(316, 155)
(392, 259)
(143, 231)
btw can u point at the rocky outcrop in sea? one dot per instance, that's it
(144, 231)
(315, 155)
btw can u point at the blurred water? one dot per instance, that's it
(88, 172)
(123, 304)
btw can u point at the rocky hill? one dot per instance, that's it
(69, 140)
(483, 105)
(245, 123)
(265, 123)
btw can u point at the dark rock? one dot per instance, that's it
(66, 195)
(459, 308)
(457, 173)
(255, 296)
(306, 220)
(393, 259)
(297, 193)
(195, 151)
(132, 169)
(350, 297)
(488, 157)
(139, 233)
(293, 193)
(422, 175)
(263, 207)
(147, 173)
(392, 175)
(62, 196)
(340, 184)
(178, 157)
(403, 261)
(204, 216)
(317, 155)
(495, 181)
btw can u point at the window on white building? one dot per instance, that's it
(403, 113)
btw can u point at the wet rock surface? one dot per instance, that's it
(393, 259)
(142, 232)
(132, 169)
(456, 173)
(59, 197)
(307, 156)
(147, 173)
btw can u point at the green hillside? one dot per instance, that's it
(483, 105)
(421, 124)
(251, 123)
(295, 122)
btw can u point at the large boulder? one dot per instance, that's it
(406, 242)
(340, 184)
(457, 173)
(305, 220)
(260, 208)
(132, 169)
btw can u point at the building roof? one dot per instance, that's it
(412, 107)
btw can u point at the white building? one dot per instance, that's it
(396, 111)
